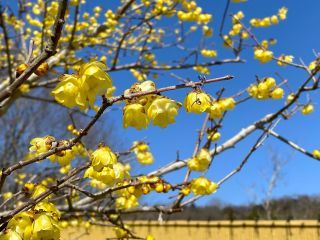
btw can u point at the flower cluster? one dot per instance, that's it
(142, 152)
(203, 186)
(40, 222)
(208, 53)
(129, 195)
(193, 13)
(41, 145)
(265, 89)
(82, 88)
(201, 161)
(268, 21)
(139, 111)
(199, 102)
(219, 107)
(283, 60)
(105, 167)
(263, 55)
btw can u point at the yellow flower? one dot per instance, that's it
(7, 195)
(200, 162)
(94, 77)
(197, 102)
(313, 65)
(285, 59)
(38, 190)
(270, 82)
(143, 154)
(102, 157)
(262, 55)
(215, 110)
(208, 53)
(106, 175)
(150, 237)
(227, 104)
(41, 145)
(145, 158)
(70, 93)
(134, 115)
(162, 111)
(83, 88)
(290, 98)
(282, 13)
(214, 136)
(277, 93)
(127, 202)
(307, 109)
(203, 186)
(45, 227)
(21, 223)
(316, 154)
(49, 208)
(24, 88)
(64, 157)
(10, 235)
(120, 232)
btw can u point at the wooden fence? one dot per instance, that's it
(204, 230)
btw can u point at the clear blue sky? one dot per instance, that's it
(298, 35)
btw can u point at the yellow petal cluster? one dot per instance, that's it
(200, 162)
(81, 89)
(105, 167)
(139, 111)
(316, 153)
(263, 55)
(218, 107)
(41, 145)
(162, 111)
(307, 109)
(134, 115)
(266, 89)
(208, 53)
(142, 152)
(39, 223)
(271, 20)
(203, 186)
(197, 102)
(283, 60)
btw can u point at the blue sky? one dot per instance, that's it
(297, 36)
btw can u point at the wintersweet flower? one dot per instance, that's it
(94, 79)
(41, 145)
(142, 152)
(162, 111)
(262, 55)
(197, 102)
(277, 93)
(200, 162)
(307, 109)
(134, 115)
(203, 186)
(70, 93)
(45, 227)
(102, 157)
(316, 154)
(82, 89)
